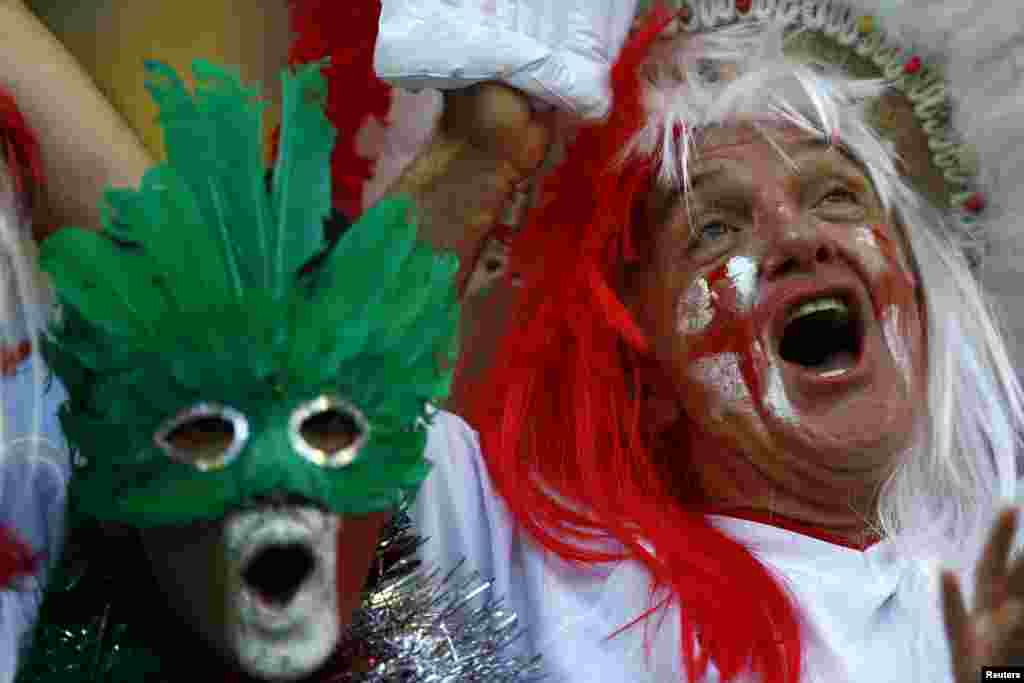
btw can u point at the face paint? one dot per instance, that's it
(775, 399)
(722, 373)
(895, 338)
(815, 431)
(895, 301)
(693, 311)
(743, 273)
(726, 350)
(869, 249)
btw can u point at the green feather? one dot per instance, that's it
(214, 140)
(109, 285)
(163, 216)
(370, 254)
(307, 139)
(337, 318)
(425, 287)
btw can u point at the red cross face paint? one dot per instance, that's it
(784, 307)
(722, 347)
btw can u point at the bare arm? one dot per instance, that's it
(488, 145)
(85, 144)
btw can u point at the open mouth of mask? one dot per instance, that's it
(282, 596)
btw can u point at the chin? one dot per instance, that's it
(287, 657)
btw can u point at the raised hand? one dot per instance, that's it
(992, 634)
(499, 122)
(489, 143)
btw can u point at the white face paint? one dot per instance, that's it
(870, 251)
(722, 374)
(776, 401)
(742, 271)
(289, 636)
(895, 340)
(693, 310)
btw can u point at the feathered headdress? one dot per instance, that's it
(190, 306)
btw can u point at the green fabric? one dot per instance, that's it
(192, 294)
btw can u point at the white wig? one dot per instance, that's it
(943, 495)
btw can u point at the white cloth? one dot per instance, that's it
(33, 482)
(870, 617)
(560, 52)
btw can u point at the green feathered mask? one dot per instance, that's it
(205, 366)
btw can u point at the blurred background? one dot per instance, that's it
(112, 38)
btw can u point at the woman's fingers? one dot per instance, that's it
(1015, 578)
(958, 628)
(991, 580)
(499, 121)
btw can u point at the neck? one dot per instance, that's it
(857, 540)
(736, 485)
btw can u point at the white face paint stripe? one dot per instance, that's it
(722, 374)
(892, 332)
(742, 272)
(776, 401)
(871, 252)
(693, 310)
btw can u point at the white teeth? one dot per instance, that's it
(825, 303)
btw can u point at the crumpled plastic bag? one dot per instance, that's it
(559, 52)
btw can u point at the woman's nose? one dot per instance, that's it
(795, 241)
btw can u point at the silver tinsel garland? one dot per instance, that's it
(421, 626)
(414, 625)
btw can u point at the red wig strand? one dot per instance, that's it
(345, 33)
(561, 412)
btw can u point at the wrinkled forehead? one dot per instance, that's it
(767, 139)
(759, 151)
(748, 131)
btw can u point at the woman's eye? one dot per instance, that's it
(839, 195)
(711, 231)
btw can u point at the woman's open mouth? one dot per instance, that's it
(823, 336)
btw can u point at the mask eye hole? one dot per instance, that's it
(329, 431)
(206, 436)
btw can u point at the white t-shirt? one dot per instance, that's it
(869, 617)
